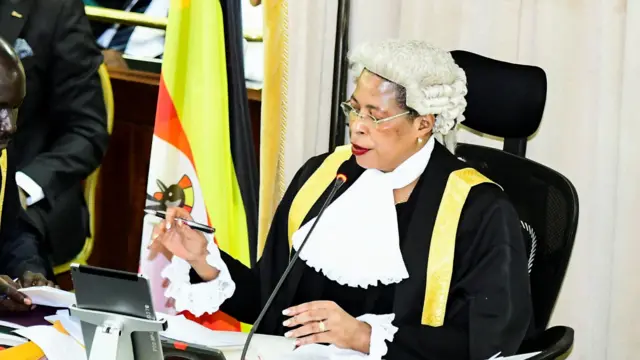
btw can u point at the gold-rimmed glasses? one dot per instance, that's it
(351, 113)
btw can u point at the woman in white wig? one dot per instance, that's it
(417, 257)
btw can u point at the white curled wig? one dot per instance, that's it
(435, 84)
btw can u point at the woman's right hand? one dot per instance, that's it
(173, 237)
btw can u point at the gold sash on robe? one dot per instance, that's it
(443, 238)
(443, 243)
(314, 187)
(3, 170)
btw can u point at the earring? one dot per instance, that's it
(419, 141)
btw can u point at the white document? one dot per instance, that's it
(48, 296)
(10, 325)
(514, 357)
(69, 323)
(11, 340)
(321, 352)
(313, 352)
(54, 344)
(8, 339)
(230, 343)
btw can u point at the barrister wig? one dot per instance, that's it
(434, 83)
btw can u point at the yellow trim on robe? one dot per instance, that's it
(314, 187)
(443, 243)
(3, 170)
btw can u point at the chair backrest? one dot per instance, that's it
(92, 180)
(505, 100)
(547, 204)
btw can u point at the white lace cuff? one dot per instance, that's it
(200, 298)
(381, 331)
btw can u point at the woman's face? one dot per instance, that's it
(388, 144)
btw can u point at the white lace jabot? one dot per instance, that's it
(356, 243)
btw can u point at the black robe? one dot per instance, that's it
(489, 303)
(20, 250)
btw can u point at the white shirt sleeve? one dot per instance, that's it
(200, 298)
(29, 186)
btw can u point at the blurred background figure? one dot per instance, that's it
(62, 134)
(19, 259)
(132, 40)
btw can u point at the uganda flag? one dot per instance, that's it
(194, 163)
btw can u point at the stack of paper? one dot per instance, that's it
(6, 337)
(69, 323)
(54, 344)
(7, 340)
(48, 296)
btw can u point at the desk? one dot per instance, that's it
(31, 318)
(273, 347)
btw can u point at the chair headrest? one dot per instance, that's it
(505, 100)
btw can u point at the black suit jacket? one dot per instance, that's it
(62, 133)
(19, 251)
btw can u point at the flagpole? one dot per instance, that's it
(339, 92)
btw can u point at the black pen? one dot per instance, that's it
(192, 224)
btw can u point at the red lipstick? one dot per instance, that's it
(358, 150)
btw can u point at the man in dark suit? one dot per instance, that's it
(20, 257)
(62, 131)
(116, 36)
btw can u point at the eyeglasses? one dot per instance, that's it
(351, 113)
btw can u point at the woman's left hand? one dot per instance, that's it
(326, 322)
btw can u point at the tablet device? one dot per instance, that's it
(117, 292)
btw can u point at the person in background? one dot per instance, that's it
(62, 126)
(19, 259)
(137, 41)
(119, 35)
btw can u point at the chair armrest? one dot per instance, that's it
(554, 343)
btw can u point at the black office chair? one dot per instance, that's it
(507, 100)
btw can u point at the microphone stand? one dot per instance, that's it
(340, 180)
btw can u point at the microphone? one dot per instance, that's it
(340, 180)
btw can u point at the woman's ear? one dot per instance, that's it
(425, 125)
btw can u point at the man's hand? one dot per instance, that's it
(10, 298)
(30, 279)
(13, 300)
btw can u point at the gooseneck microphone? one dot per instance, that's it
(340, 180)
